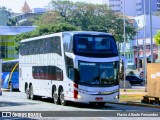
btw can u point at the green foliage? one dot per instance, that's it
(69, 16)
(12, 22)
(157, 38)
(50, 17)
(91, 17)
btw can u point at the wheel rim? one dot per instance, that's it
(62, 98)
(31, 92)
(55, 98)
(27, 93)
(10, 87)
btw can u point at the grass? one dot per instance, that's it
(132, 90)
(131, 98)
(132, 95)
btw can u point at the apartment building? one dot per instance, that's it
(132, 7)
(7, 41)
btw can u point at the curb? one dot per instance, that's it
(137, 104)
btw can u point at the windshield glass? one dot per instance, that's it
(98, 73)
(95, 44)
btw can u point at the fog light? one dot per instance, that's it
(78, 96)
(116, 97)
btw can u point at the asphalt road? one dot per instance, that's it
(16, 101)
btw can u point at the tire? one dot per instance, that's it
(10, 87)
(55, 98)
(101, 104)
(61, 97)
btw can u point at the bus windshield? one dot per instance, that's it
(95, 44)
(99, 73)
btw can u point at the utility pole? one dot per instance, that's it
(0, 71)
(144, 47)
(150, 16)
(137, 52)
(124, 35)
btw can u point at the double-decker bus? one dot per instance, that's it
(78, 66)
(10, 74)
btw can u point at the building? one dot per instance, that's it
(7, 43)
(26, 8)
(140, 37)
(3, 17)
(133, 7)
(155, 6)
(134, 48)
(26, 14)
(7, 33)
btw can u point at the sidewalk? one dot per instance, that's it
(133, 97)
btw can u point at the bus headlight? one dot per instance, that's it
(116, 97)
(79, 96)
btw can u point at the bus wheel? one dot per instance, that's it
(101, 104)
(55, 98)
(10, 87)
(61, 96)
(32, 96)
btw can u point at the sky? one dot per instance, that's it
(16, 5)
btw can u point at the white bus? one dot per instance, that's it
(78, 66)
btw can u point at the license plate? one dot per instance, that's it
(99, 98)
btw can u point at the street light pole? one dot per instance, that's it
(144, 47)
(150, 15)
(124, 42)
(0, 71)
(137, 52)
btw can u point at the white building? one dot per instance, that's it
(134, 48)
(138, 42)
(132, 7)
(145, 21)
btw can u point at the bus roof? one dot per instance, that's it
(68, 32)
(10, 61)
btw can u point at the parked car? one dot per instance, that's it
(134, 80)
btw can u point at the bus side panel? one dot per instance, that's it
(15, 80)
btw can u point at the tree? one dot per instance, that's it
(12, 22)
(50, 17)
(91, 17)
(157, 38)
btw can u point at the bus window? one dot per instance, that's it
(71, 73)
(89, 45)
(47, 73)
(67, 43)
